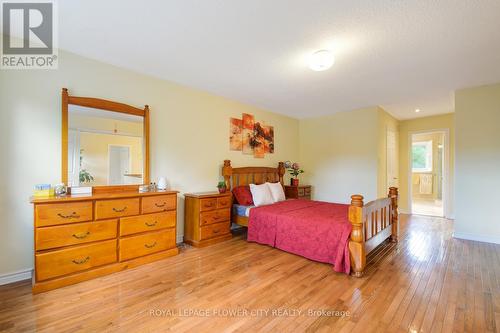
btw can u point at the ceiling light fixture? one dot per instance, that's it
(417, 110)
(321, 60)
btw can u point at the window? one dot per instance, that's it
(422, 156)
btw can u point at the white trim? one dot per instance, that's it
(180, 239)
(16, 276)
(446, 173)
(477, 238)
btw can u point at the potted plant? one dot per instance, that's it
(222, 187)
(295, 171)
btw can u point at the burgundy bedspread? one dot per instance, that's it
(313, 229)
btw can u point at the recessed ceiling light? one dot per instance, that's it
(321, 60)
(417, 110)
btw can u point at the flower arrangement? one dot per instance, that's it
(294, 170)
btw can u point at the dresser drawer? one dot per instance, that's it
(105, 209)
(67, 261)
(137, 246)
(208, 204)
(159, 203)
(78, 233)
(215, 216)
(214, 230)
(224, 202)
(307, 191)
(148, 222)
(301, 191)
(62, 213)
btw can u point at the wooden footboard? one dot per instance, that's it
(372, 224)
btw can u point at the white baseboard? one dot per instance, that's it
(478, 238)
(16, 276)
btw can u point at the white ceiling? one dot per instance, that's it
(401, 55)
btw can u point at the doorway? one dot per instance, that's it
(428, 173)
(119, 164)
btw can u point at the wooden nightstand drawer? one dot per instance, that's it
(63, 213)
(138, 246)
(105, 209)
(215, 216)
(207, 218)
(208, 204)
(148, 222)
(214, 230)
(78, 233)
(160, 203)
(298, 192)
(224, 202)
(71, 260)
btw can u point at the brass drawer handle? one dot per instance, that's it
(150, 246)
(119, 210)
(81, 261)
(209, 204)
(216, 231)
(160, 206)
(70, 216)
(151, 224)
(82, 235)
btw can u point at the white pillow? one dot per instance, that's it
(277, 191)
(261, 195)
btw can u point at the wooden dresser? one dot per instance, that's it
(298, 192)
(207, 218)
(78, 238)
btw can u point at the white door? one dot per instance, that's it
(119, 164)
(392, 159)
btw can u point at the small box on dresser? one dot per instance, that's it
(207, 218)
(298, 192)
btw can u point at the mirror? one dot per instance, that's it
(105, 143)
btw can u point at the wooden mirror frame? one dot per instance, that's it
(109, 106)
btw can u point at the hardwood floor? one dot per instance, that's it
(429, 282)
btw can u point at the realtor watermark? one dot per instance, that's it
(29, 38)
(244, 312)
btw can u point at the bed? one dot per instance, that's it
(346, 233)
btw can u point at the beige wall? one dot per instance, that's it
(339, 154)
(478, 163)
(189, 137)
(407, 127)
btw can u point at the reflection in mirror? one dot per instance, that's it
(104, 147)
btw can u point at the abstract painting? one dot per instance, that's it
(251, 137)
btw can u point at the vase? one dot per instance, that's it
(295, 182)
(222, 190)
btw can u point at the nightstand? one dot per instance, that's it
(207, 218)
(298, 192)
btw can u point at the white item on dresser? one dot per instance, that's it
(162, 183)
(261, 195)
(81, 190)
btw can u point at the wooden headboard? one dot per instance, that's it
(251, 175)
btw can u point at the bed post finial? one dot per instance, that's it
(227, 171)
(393, 194)
(281, 171)
(357, 240)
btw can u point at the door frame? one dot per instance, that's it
(109, 156)
(446, 169)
